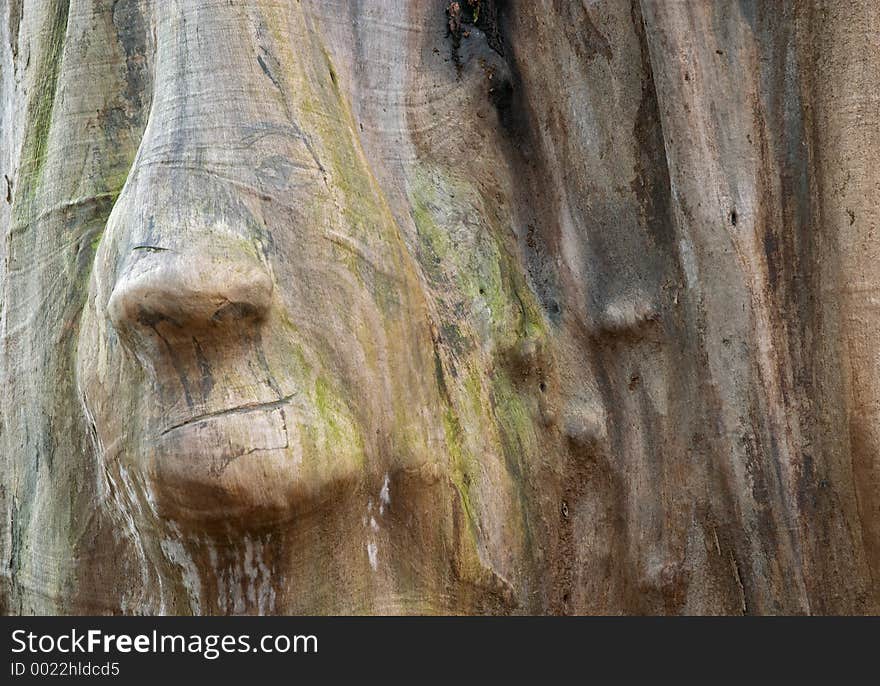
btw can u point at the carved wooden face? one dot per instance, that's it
(349, 288)
(254, 287)
(432, 306)
(252, 284)
(312, 301)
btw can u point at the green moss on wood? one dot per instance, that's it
(41, 106)
(466, 262)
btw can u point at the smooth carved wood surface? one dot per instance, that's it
(417, 306)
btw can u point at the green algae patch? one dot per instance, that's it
(515, 420)
(325, 441)
(40, 110)
(326, 435)
(366, 237)
(463, 465)
(333, 420)
(486, 314)
(467, 265)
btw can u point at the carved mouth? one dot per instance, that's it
(252, 465)
(246, 408)
(216, 439)
(241, 462)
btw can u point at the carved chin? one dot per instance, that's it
(241, 468)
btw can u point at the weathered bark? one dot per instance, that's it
(429, 306)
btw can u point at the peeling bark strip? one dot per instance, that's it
(439, 307)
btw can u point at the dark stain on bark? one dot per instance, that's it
(15, 14)
(581, 32)
(206, 376)
(771, 255)
(133, 36)
(15, 528)
(268, 73)
(465, 15)
(538, 235)
(260, 352)
(651, 184)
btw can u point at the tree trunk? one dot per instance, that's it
(439, 307)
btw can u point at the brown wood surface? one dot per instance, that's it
(417, 306)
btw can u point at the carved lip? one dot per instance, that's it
(245, 408)
(240, 463)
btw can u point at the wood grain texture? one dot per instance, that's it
(439, 307)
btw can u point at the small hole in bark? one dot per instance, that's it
(543, 387)
(733, 217)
